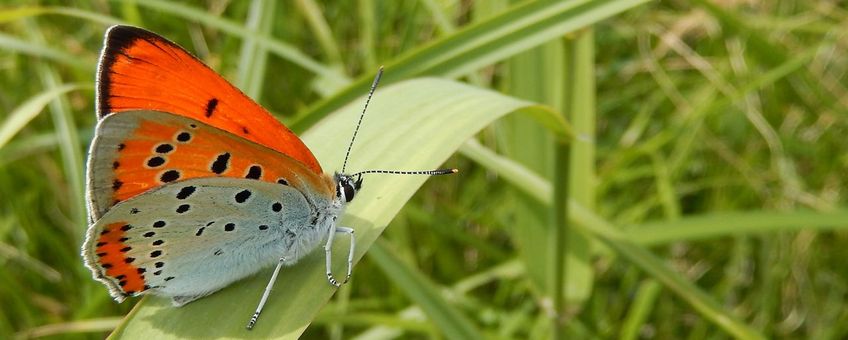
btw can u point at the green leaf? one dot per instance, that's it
(415, 124)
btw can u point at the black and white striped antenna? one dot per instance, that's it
(391, 172)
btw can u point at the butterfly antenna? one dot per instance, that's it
(436, 172)
(368, 100)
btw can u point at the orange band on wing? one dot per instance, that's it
(141, 70)
(160, 151)
(111, 253)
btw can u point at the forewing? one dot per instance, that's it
(141, 70)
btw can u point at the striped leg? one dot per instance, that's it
(328, 251)
(265, 294)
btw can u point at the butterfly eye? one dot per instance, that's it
(347, 190)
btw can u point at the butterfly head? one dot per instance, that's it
(347, 186)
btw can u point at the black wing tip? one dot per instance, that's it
(116, 40)
(121, 36)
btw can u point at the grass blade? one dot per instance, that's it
(253, 58)
(604, 231)
(420, 290)
(24, 113)
(517, 29)
(279, 48)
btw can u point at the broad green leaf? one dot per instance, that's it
(415, 124)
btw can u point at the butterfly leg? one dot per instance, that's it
(328, 251)
(266, 294)
(348, 231)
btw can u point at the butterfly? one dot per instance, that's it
(191, 185)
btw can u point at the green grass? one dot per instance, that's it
(696, 190)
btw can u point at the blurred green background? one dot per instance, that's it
(704, 175)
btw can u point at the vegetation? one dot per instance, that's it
(629, 169)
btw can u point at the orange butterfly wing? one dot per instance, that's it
(142, 70)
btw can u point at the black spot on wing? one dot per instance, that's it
(183, 208)
(183, 137)
(221, 163)
(242, 196)
(164, 148)
(169, 176)
(185, 192)
(155, 161)
(210, 107)
(254, 172)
